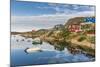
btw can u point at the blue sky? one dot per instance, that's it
(19, 8)
(26, 16)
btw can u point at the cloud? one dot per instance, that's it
(71, 8)
(67, 8)
(49, 17)
(43, 21)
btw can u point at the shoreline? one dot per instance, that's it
(86, 49)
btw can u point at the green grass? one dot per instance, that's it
(92, 40)
(81, 38)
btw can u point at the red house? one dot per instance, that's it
(74, 28)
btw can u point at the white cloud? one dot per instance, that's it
(49, 17)
(43, 21)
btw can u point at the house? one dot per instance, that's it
(86, 24)
(74, 28)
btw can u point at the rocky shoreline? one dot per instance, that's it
(73, 46)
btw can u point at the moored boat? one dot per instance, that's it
(32, 50)
(37, 41)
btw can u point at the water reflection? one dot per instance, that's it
(51, 52)
(60, 46)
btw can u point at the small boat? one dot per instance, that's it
(37, 41)
(32, 50)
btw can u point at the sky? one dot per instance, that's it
(26, 16)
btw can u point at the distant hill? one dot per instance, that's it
(15, 33)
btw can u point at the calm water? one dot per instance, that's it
(51, 54)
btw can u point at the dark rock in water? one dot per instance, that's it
(17, 40)
(28, 40)
(22, 39)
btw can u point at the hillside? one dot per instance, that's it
(76, 20)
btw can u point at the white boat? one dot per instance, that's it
(32, 50)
